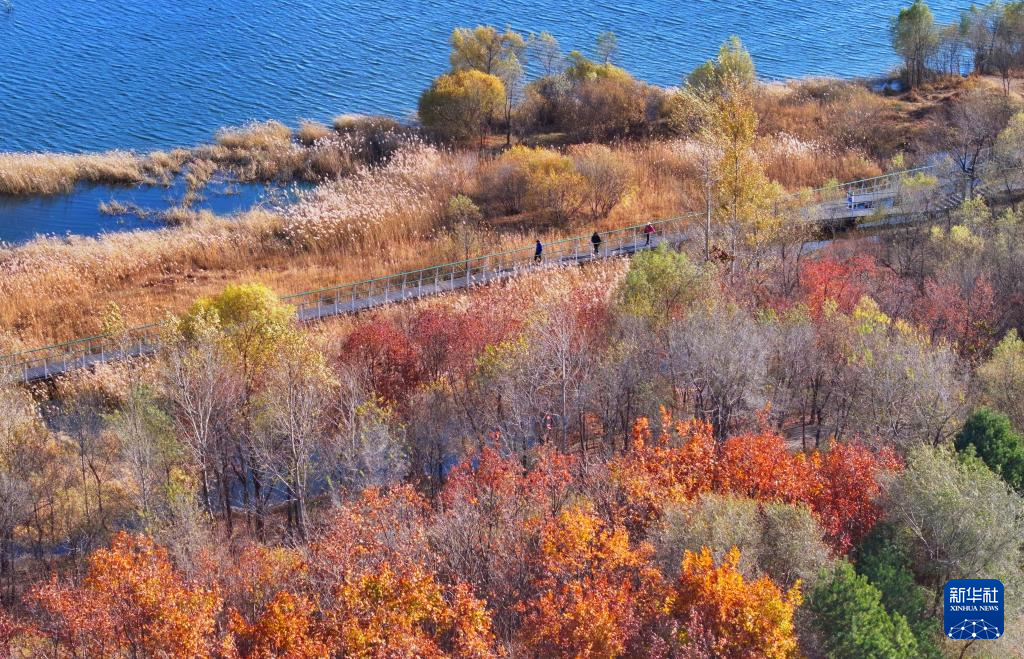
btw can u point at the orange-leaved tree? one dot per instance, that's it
(285, 627)
(596, 595)
(844, 490)
(376, 591)
(839, 281)
(487, 529)
(674, 466)
(132, 601)
(269, 611)
(721, 614)
(841, 485)
(759, 466)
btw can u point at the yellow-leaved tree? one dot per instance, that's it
(745, 197)
(458, 106)
(721, 614)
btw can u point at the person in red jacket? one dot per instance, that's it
(648, 232)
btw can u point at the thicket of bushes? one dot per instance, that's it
(673, 443)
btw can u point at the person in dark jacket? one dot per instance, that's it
(538, 253)
(596, 241)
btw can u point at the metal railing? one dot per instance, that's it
(48, 361)
(829, 203)
(886, 194)
(873, 183)
(349, 298)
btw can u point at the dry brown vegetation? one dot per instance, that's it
(256, 152)
(27, 174)
(841, 119)
(368, 220)
(378, 221)
(311, 131)
(841, 128)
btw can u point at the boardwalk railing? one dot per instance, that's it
(852, 200)
(349, 298)
(836, 203)
(874, 184)
(49, 361)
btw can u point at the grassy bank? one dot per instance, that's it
(373, 219)
(379, 221)
(38, 174)
(257, 152)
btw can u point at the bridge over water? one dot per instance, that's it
(836, 206)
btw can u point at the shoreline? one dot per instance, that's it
(404, 118)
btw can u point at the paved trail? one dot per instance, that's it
(881, 198)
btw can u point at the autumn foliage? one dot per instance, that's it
(131, 601)
(841, 485)
(723, 615)
(482, 475)
(596, 592)
(364, 589)
(9, 628)
(840, 281)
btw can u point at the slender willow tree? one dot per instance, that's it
(916, 39)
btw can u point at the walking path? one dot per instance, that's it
(831, 207)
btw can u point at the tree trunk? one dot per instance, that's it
(707, 221)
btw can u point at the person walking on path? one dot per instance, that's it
(648, 232)
(596, 240)
(538, 252)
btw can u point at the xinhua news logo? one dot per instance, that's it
(973, 609)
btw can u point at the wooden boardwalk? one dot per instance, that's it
(311, 306)
(832, 207)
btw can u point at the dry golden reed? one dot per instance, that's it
(25, 174)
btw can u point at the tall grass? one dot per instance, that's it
(51, 288)
(382, 218)
(348, 123)
(54, 290)
(381, 221)
(255, 136)
(26, 174)
(266, 151)
(310, 132)
(379, 210)
(796, 163)
(842, 115)
(255, 152)
(378, 206)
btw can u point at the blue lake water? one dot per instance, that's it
(89, 75)
(78, 212)
(85, 75)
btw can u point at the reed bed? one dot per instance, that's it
(28, 174)
(266, 151)
(258, 151)
(54, 289)
(382, 218)
(255, 136)
(347, 123)
(842, 115)
(310, 132)
(379, 206)
(148, 274)
(797, 163)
